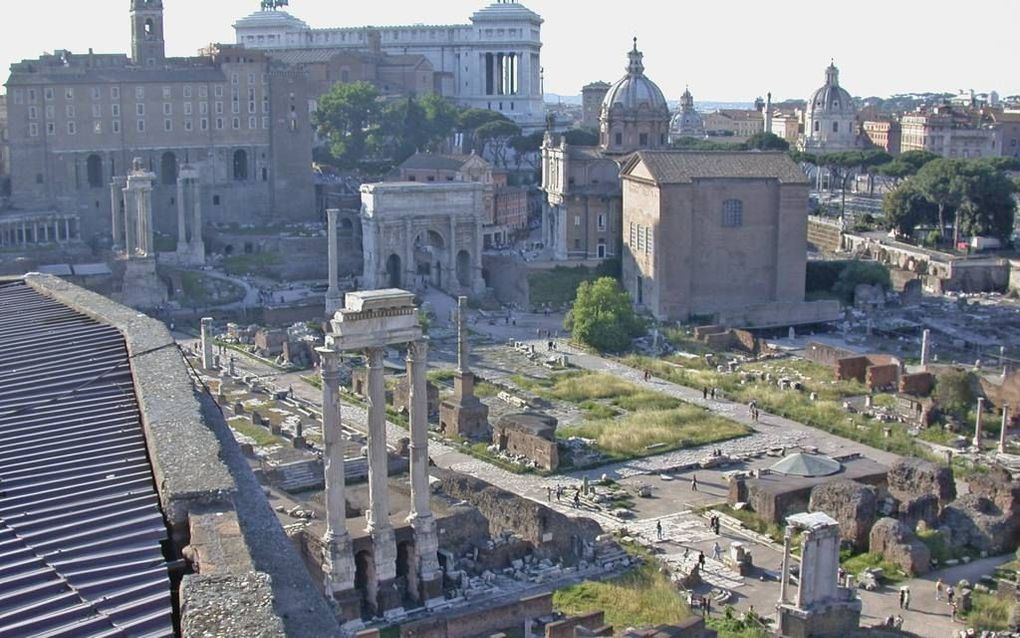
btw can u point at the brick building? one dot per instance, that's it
(711, 233)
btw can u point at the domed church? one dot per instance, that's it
(687, 122)
(830, 118)
(634, 114)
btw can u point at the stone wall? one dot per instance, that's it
(852, 368)
(554, 535)
(481, 621)
(593, 622)
(896, 542)
(203, 480)
(824, 354)
(919, 384)
(823, 234)
(852, 505)
(507, 277)
(882, 376)
(543, 452)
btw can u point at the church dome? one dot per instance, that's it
(831, 97)
(687, 122)
(634, 91)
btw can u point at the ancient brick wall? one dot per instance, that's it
(702, 332)
(824, 354)
(852, 368)
(545, 453)
(481, 621)
(565, 628)
(920, 384)
(553, 534)
(882, 376)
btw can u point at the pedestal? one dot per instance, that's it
(142, 287)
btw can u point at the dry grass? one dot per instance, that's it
(633, 435)
(643, 597)
(260, 435)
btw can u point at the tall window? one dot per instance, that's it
(94, 171)
(835, 127)
(733, 213)
(240, 165)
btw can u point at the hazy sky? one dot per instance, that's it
(725, 51)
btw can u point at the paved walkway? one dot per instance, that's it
(926, 616)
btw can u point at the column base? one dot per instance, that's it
(432, 592)
(348, 606)
(338, 568)
(389, 604)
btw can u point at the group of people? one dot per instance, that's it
(941, 589)
(752, 408)
(707, 392)
(713, 524)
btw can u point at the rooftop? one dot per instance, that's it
(675, 167)
(80, 520)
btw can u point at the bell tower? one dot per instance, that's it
(147, 45)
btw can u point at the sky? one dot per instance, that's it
(725, 51)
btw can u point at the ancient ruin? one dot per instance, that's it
(133, 234)
(823, 608)
(369, 322)
(463, 414)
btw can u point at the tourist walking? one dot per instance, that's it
(704, 393)
(549, 493)
(716, 551)
(694, 483)
(701, 558)
(950, 594)
(658, 529)
(713, 394)
(939, 587)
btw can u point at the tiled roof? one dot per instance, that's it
(80, 523)
(670, 167)
(434, 162)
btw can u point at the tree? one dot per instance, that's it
(471, 119)
(953, 392)
(345, 116)
(988, 206)
(856, 273)
(581, 137)
(906, 208)
(403, 131)
(766, 142)
(602, 316)
(495, 137)
(442, 116)
(526, 148)
(916, 160)
(943, 183)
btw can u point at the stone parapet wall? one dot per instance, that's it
(481, 621)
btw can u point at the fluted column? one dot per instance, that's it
(116, 196)
(338, 564)
(182, 223)
(197, 242)
(426, 538)
(978, 422)
(130, 221)
(378, 515)
(334, 300)
(1005, 427)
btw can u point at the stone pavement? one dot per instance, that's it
(926, 616)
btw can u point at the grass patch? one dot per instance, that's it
(642, 597)
(857, 564)
(736, 625)
(988, 613)
(595, 411)
(260, 435)
(753, 522)
(440, 376)
(484, 390)
(199, 290)
(259, 264)
(826, 413)
(635, 435)
(647, 401)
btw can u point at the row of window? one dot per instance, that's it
(187, 91)
(140, 125)
(641, 238)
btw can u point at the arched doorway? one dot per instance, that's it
(429, 257)
(366, 583)
(168, 169)
(393, 271)
(240, 165)
(94, 171)
(464, 274)
(407, 574)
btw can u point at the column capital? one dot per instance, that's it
(375, 356)
(417, 350)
